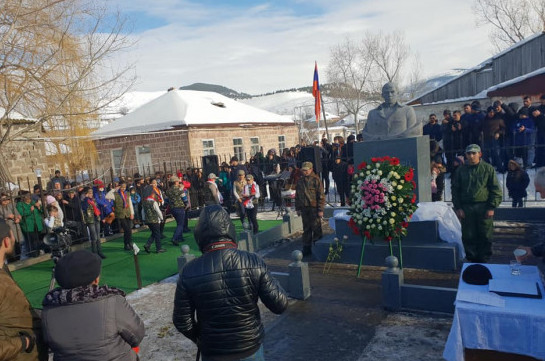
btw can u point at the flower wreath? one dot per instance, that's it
(382, 199)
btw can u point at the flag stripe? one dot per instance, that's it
(316, 93)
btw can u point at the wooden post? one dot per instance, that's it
(137, 268)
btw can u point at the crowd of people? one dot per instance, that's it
(512, 140)
(95, 209)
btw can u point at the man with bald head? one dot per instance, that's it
(391, 120)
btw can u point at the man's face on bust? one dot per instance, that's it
(389, 93)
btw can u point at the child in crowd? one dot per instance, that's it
(53, 221)
(517, 182)
(437, 181)
(135, 199)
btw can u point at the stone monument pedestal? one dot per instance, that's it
(413, 152)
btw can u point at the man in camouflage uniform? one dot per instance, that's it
(124, 213)
(176, 195)
(309, 203)
(475, 195)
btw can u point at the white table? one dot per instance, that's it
(518, 328)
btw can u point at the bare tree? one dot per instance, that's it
(54, 64)
(357, 71)
(511, 20)
(388, 52)
(349, 75)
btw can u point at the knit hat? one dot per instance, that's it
(78, 268)
(241, 172)
(50, 199)
(307, 166)
(98, 183)
(212, 176)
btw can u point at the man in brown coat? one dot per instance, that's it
(309, 203)
(17, 335)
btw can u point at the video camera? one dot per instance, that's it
(59, 240)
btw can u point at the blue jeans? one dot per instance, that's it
(258, 356)
(179, 216)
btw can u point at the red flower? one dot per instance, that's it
(414, 184)
(414, 198)
(404, 224)
(394, 161)
(362, 165)
(374, 159)
(367, 234)
(353, 226)
(388, 239)
(409, 175)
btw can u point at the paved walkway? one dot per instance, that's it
(343, 319)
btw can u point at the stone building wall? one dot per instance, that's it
(22, 157)
(184, 148)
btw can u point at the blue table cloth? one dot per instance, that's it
(518, 328)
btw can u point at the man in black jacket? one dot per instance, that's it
(216, 298)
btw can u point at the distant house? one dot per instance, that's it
(185, 125)
(509, 75)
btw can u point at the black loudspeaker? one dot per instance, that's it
(210, 164)
(312, 154)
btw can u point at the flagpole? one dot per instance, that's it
(325, 120)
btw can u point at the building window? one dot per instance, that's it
(238, 149)
(281, 143)
(254, 146)
(117, 156)
(208, 147)
(143, 159)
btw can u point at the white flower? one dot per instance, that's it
(384, 223)
(394, 204)
(394, 183)
(368, 227)
(393, 198)
(373, 226)
(393, 214)
(377, 165)
(392, 221)
(402, 181)
(379, 172)
(400, 187)
(365, 219)
(379, 228)
(400, 200)
(368, 166)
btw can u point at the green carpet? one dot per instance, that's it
(118, 269)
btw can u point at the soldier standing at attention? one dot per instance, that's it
(309, 203)
(475, 195)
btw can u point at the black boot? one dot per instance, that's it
(307, 251)
(99, 250)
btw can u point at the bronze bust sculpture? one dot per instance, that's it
(391, 120)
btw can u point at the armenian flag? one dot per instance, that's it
(316, 93)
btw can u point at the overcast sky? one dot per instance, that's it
(258, 47)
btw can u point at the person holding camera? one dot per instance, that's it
(84, 321)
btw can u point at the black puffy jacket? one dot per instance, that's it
(216, 296)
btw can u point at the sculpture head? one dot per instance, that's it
(390, 93)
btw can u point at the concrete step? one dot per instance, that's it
(438, 256)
